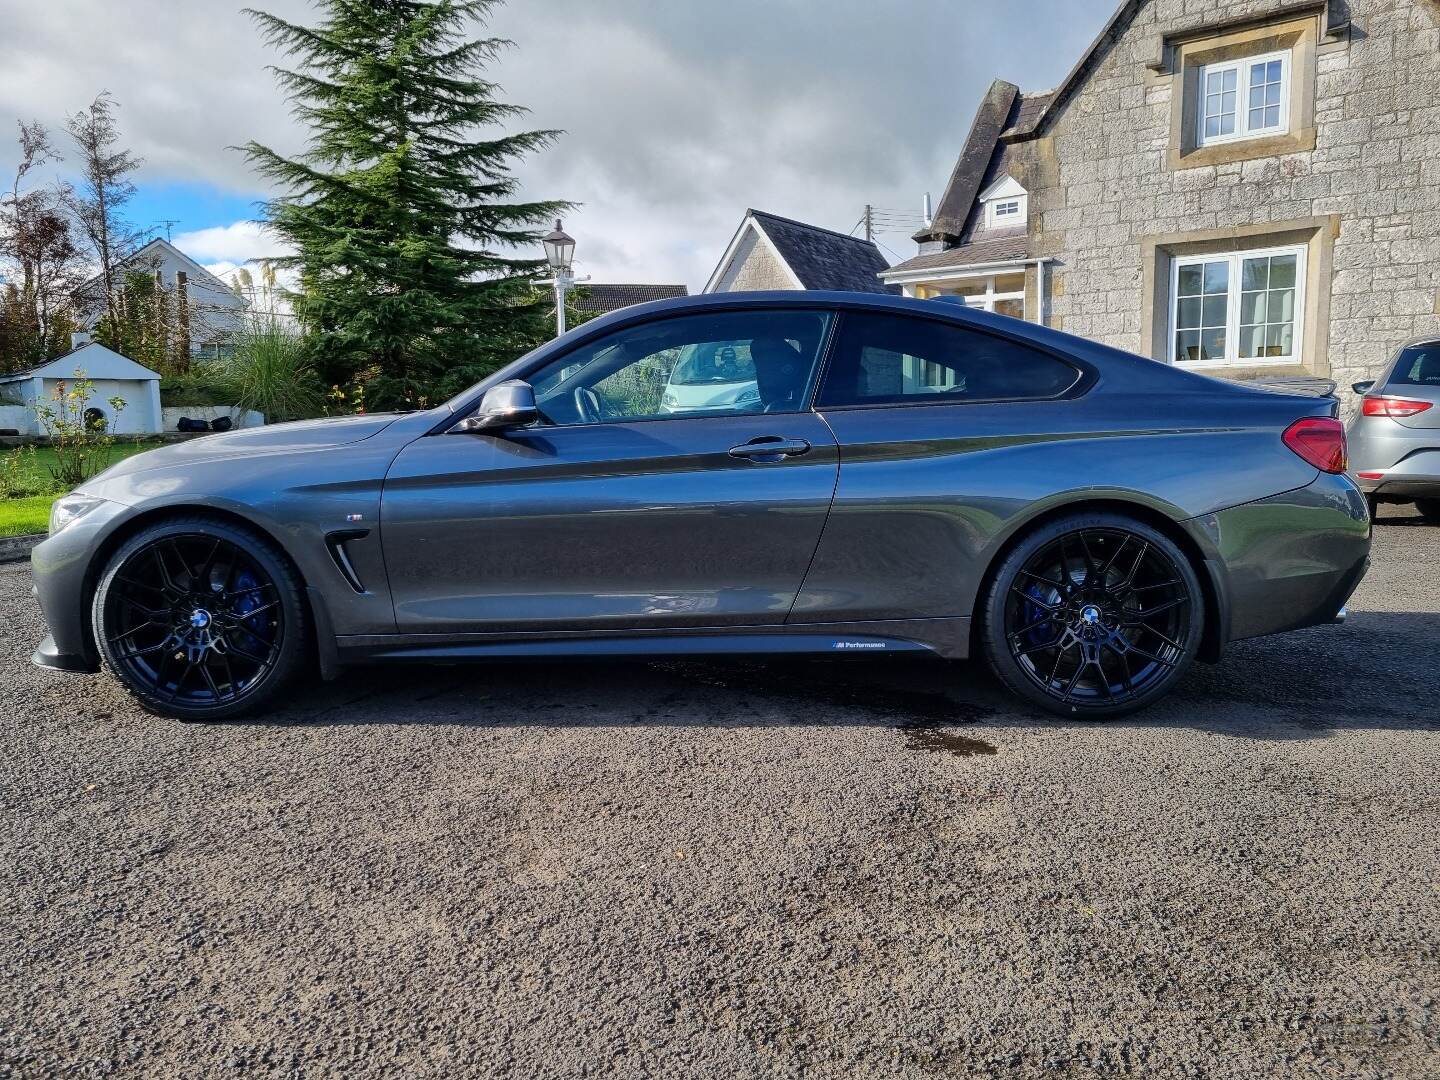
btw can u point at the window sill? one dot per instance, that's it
(1248, 369)
(1245, 149)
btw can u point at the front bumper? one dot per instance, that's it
(48, 655)
(61, 568)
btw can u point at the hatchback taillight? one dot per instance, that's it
(1320, 440)
(1392, 406)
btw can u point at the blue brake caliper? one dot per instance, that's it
(248, 602)
(1045, 632)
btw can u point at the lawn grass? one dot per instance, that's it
(31, 513)
(20, 517)
(45, 459)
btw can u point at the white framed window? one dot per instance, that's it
(1000, 213)
(1006, 211)
(1241, 308)
(1243, 99)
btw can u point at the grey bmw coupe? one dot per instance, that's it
(881, 475)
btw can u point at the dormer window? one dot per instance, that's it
(1005, 208)
(1004, 203)
(1244, 99)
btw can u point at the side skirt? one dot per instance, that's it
(947, 638)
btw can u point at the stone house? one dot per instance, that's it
(1245, 187)
(772, 252)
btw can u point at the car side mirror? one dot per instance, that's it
(1363, 387)
(505, 405)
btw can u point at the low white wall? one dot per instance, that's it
(173, 413)
(20, 417)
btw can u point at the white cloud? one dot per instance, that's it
(240, 242)
(677, 115)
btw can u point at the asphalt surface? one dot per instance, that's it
(872, 869)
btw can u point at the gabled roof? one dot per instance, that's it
(162, 247)
(603, 298)
(815, 258)
(1008, 116)
(94, 359)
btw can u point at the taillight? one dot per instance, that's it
(1392, 406)
(1320, 440)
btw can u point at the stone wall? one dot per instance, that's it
(753, 267)
(1102, 181)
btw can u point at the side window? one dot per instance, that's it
(880, 359)
(691, 365)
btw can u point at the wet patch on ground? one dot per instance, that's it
(917, 708)
(940, 737)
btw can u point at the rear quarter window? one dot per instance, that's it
(900, 359)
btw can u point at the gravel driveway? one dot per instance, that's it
(737, 870)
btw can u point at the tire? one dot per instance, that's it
(200, 619)
(1060, 621)
(1429, 509)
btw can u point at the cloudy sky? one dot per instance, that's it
(678, 113)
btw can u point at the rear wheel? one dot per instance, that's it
(1093, 616)
(200, 619)
(1429, 509)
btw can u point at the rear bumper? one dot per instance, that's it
(1291, 560)
(1407, 460)
(1415, 477)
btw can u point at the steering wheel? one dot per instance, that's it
(589, 406)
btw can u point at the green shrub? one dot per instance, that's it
(207, 383)
(271, 372)
(81, 448)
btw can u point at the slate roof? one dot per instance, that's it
(823, 259)
(603, 298)
(1011, 247)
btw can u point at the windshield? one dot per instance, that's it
(714, 362)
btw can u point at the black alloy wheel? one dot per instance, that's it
(199, 619)
(1094, 616)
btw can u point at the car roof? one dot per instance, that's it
(951, 309)
(1133, 372)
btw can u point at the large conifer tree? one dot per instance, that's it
(401, 209)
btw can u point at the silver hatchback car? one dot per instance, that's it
(1395, 437)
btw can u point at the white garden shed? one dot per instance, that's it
(114, 376)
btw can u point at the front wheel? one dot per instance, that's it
(200, 619)
(1093, 616)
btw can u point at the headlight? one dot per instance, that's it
(69, 509)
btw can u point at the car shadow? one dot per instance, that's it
(1376, 671)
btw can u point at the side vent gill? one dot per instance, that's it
(336, 542)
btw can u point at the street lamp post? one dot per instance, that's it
(560, 256)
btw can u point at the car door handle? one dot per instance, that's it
(769, 448)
